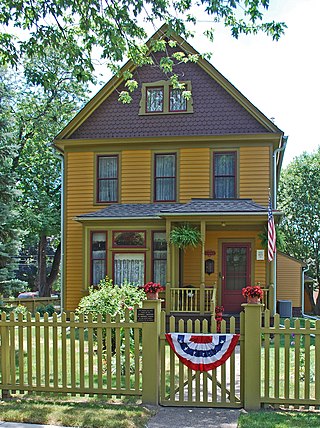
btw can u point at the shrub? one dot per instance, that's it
(110, 299)
(20, 309)
(13, 287)
(42, 309)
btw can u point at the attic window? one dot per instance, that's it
(154, 100)
(161, 98)
(177, 101)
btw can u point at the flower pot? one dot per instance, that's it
(153, 296)
(253, 299)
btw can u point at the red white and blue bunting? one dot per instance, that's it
(202, 352)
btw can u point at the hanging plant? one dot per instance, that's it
(185, 236)
(279, 238)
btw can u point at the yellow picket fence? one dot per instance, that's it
(78, 356)
(273, 364)
(290, 356)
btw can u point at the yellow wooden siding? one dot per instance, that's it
(288, 280)
(79, 190)
(192, 258)
(194, 177)
(254, 173)
(136, 177)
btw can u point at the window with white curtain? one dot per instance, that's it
(159, 257)
(154, 100)
(177, 102)
(98, 256)
(129, 267)
(224, 170)
(107, 179)
(165, 177)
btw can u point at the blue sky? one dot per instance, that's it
(280, 78)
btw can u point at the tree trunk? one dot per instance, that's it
(55, 267)
(44, 291)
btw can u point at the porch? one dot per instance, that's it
(203, 300)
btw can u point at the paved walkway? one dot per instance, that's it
(186, 417)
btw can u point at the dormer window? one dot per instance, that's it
(161, 98)
(154, 100)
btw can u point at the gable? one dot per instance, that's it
(215, 111)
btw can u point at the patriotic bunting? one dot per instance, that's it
(202, 352)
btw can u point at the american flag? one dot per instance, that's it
(271, 233)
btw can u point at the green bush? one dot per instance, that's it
(110, 299)
(20, 309)
(12, 287)
(43, 309)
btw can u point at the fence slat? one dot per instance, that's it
(21, 354)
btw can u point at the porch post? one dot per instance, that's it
(168, 282)
(202, 272)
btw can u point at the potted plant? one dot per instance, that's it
(253, 293)
(185, 236)
(152, 290)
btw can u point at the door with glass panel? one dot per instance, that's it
(236, 274)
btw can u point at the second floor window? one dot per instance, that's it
(107, 179)
(224, 175)
(165, 178)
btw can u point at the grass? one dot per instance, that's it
(84, 413)
(279, 419)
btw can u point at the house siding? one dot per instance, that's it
(254, 174)
(136, 176)
(289, 280)
(80, 191)
(194, 173)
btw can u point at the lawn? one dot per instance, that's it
(84, 413)
(279, 419)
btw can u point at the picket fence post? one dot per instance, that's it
(151, 354)
(252, 356)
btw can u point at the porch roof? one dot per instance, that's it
(193, 207)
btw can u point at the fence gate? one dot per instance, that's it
(181, 386)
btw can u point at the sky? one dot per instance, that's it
(279, 78)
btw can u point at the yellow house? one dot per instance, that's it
(134, 172)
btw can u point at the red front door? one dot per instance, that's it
(236, 274)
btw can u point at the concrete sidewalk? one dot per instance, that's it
(194, 417)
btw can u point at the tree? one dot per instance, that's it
(77, 29)
(39, 112)
(8, 193)
(299, 199)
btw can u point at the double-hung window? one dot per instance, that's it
(107, 178)
(98, 256)
(165, 177)
(224, 175)
(154, 100)
(159, 257)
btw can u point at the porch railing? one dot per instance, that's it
(188, 299)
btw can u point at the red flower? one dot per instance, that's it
(152, 287)
(252, 291)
